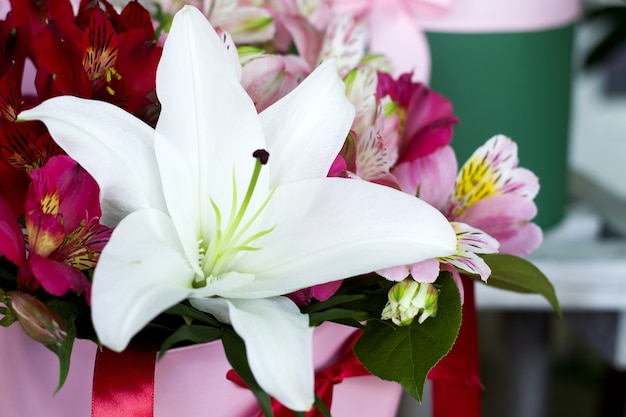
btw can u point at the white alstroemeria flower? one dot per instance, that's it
(200, 218)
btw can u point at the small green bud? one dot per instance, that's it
(407, 299)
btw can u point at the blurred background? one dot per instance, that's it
(533, 363)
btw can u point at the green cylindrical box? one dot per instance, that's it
(514, 81)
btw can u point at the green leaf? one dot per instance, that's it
(337, 314)
(321, 407)
(164, 20)
(68, 312)
(513, 273)
(190, 333)
(332, 302)
(236, 354)
(8, 319)
(185, 310)
(406, 354)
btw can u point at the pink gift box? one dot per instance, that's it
(189, 382)
(486, 16)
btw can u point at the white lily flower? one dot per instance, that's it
(200, 218)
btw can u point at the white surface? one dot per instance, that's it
(598, 147)
(587, 274)
(598, 127)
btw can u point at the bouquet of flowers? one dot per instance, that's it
(243, 171)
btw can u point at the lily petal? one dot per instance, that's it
(134, 282)
(278, 345)
(347, 235)
(115, 147)
(208, 119)
(308, 131)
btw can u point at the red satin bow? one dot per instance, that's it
(123, 383)
(346, 366)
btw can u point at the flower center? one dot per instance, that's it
(232, 238)
(477, 181)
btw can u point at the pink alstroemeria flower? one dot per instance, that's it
(63, 233)
(490, 192)
(315, 35)
(489, 204)
(471, 242)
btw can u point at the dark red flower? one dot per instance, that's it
(98, 54)
(23, 146)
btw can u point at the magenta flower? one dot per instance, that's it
(425, 118)
(63, 234)
(396, 121)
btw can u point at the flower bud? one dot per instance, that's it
(37, 320)
(409, 298)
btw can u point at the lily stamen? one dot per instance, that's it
(225, 245)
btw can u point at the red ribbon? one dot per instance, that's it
(456, 378)
(346, 366)
(123, 383)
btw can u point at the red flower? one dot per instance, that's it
(13, 185)
(97, 54)
(23, 146)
